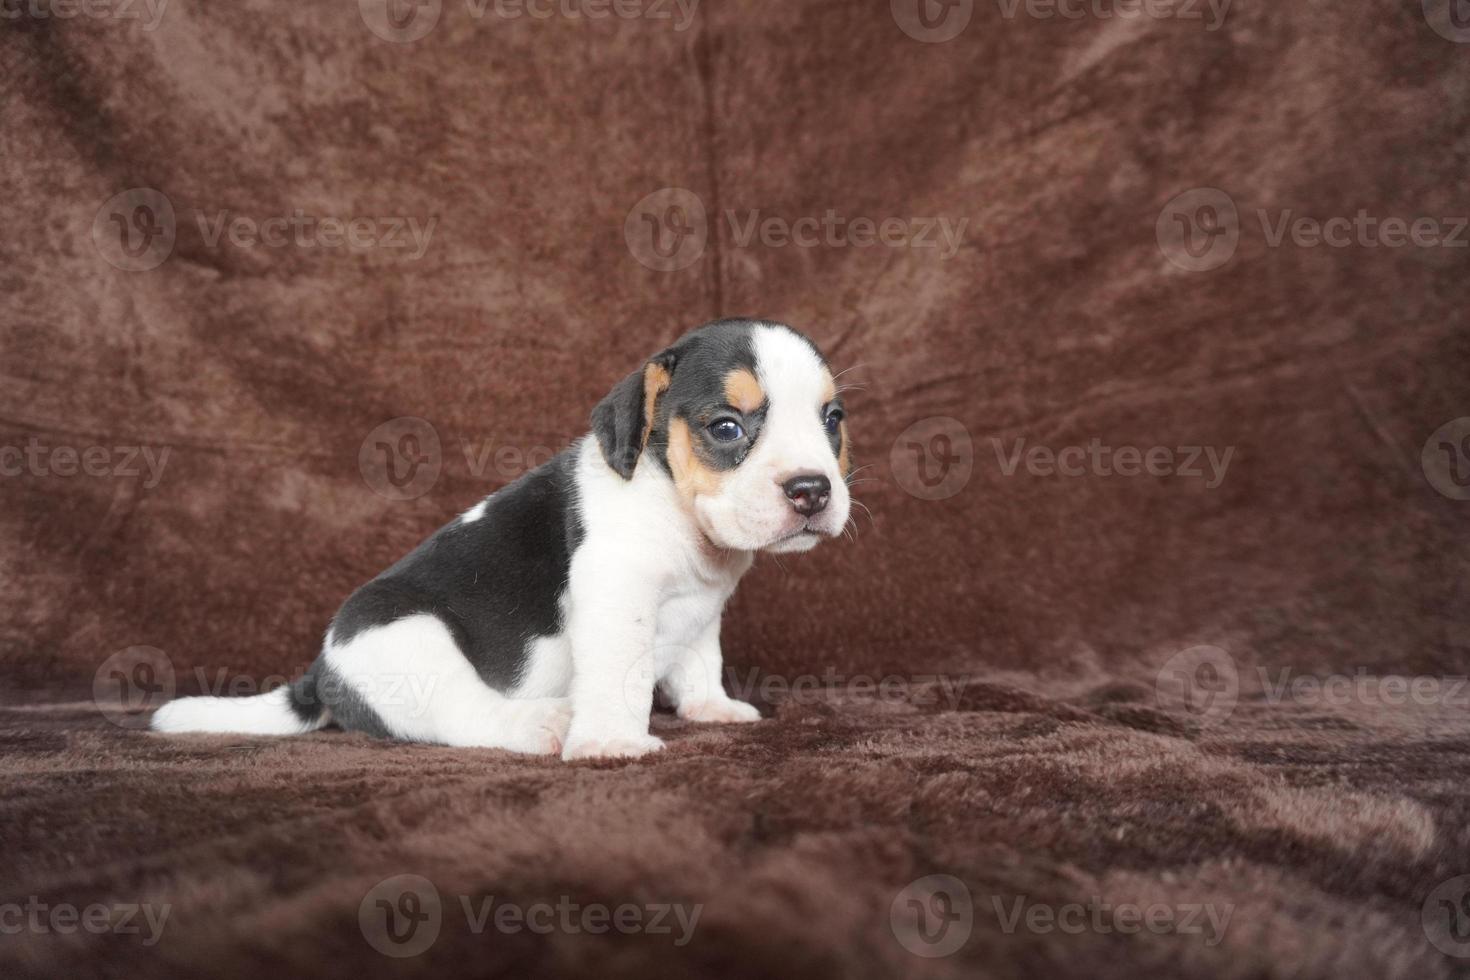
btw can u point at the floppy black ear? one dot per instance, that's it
(623, 420)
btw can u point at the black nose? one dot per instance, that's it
(808, 494)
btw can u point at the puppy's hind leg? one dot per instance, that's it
(415, 680)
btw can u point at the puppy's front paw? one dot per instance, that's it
(728, 711)
(626, 747)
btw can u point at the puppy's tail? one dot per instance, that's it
(290, 710)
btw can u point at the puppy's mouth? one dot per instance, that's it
(807, 534)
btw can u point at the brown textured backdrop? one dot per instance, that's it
(1047, 771)
(1059, 319)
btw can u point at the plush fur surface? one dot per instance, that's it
(260, 373)
(1319, 832)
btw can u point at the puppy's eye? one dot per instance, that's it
(833, 420)
(725, 430)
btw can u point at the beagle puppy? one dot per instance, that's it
(541, 619)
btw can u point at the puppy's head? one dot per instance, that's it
(745, 418)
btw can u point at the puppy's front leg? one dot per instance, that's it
(611, 624)
(696, 683)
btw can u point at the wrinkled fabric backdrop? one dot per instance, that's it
(524, 151)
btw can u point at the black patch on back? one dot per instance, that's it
(495, 582)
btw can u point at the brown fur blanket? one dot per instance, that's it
(1157, 327)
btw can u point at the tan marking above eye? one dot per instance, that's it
(743, 391)
(829, 390)
(691, 477)
(655, 382)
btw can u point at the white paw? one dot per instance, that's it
(541, 726)
(625, 747)
(728, 711)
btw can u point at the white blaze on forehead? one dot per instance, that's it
(790, 372)
(796, 383)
